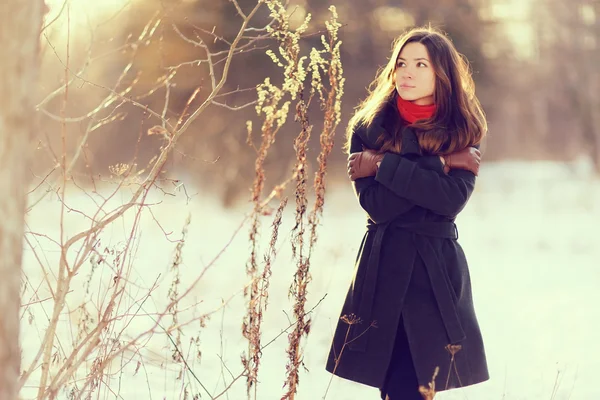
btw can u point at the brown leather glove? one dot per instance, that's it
(363, 164)
(468, 159)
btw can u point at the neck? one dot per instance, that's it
(426, 101)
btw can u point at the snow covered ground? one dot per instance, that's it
(530, 236)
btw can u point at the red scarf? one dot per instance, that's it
(411, 112)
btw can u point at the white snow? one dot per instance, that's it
(529, 232)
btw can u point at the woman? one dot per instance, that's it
(408, 324)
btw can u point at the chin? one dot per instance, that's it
(412, 97)
(408, 96)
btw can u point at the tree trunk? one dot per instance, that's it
(20, 25)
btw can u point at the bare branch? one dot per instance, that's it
(239, 9)
(235, 108)
(195, 63)
(111, 341)
(112, 91)
(62, 9)
(218, 87)
(238, 90)
(42, 180)
(209, 55)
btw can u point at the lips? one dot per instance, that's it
(404, 86)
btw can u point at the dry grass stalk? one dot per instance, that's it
(331, 104)
(453, 349)
(103, 343)
(274, 109)
(429, 392)
(173, 293)
(269, 99)
(350, 320)
(100, 337)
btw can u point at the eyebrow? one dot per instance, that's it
(416, 59)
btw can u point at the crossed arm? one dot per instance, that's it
(401, 184)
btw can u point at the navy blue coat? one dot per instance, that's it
(411, 264)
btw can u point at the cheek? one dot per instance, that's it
(430, 81)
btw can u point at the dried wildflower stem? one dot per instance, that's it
(258, 297)
(302, 277)
(102, 343)
(453, 349)
(275, 112)
(331, 108)
(557, 381)
(294, 74)
(105, 318)
(174, 292)
(251, 323)
(62, 287)
(120, 284)
(245, 371)
(332, 112)
(429, 392)
(350, 321)
(183, 359)
(65, 274)
(269, 99)
(92, 339)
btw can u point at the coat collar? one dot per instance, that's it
(385, 122)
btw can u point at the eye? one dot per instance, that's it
(400, 64)
(421, 64)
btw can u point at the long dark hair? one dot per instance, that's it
(459, 120)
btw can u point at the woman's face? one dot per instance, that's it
(415, 78)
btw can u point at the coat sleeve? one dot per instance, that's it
(380, 203)
(443, 194)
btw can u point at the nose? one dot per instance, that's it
(406, 74)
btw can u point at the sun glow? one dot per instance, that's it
(74, 15)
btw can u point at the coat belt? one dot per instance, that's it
(440, 284)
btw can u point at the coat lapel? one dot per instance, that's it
(410, 144)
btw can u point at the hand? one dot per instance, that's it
(363, 164)
(468, 159)
(444, 161)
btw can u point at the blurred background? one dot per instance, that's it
(535, 64)
(529, 230)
